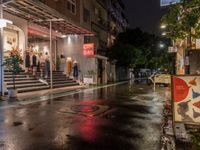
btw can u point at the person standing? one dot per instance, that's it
(34, 64)
(42, 64)
(75, 70)
(47, 66)
(27, 62)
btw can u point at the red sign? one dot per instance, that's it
(180, 89)
(88, 49)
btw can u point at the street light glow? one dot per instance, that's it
(161, 45)
(164, 33)
(163, 26)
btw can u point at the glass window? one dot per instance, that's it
(71, 6)
(86, 15)
(87, 39)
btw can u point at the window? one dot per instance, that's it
(71, 6)
(87, 39)
(86, 15)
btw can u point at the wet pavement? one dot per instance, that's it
(120, 117)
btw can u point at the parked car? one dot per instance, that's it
(160, 78)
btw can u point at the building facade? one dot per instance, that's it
(81, 31)
(117, 19)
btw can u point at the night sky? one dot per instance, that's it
(145, 14)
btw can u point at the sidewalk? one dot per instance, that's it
(44, 95)
(38, 96)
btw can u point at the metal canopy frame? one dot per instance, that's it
(39, 13)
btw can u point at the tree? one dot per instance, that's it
(13, 63)
(182, 20)
(135, 48)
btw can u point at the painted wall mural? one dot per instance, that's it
(186, 98)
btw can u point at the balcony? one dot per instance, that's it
(102, 22)
(102, 48)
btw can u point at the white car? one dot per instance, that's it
(161, 78)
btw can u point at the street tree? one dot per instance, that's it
(136, 49)
(182, 20)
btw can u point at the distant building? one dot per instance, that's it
(117, 19)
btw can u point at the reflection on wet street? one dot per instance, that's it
(121, 117)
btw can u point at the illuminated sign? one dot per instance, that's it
(168, 2)
(172, 49)
(88, 49)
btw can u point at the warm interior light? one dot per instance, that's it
(64, 36)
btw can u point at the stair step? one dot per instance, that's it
(57, 80)
(65, 85)
(18, 79)
(26, 85)
(20, 90)
(11, 71)
(63, 82)
(24, 82)
(17, 76)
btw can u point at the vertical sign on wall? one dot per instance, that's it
(186, 99)
(88, 49)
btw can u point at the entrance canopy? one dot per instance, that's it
(39, 13)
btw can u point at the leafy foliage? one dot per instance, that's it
(137, 49)
(182, 19)
(196, 139)
(13, 63)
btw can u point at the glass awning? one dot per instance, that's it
(39, 13)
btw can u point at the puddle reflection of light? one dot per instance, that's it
(88, 130)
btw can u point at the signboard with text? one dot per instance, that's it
(88, 49)
(172, 49)
(186, 99)
(168, 2)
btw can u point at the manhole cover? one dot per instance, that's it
(84, 108)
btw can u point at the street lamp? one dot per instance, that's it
(163, 26)
(164, 33)
(161, 45)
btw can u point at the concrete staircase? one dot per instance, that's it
(26, 82)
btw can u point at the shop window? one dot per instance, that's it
(87, 39)
(71, 6)
(86, 15)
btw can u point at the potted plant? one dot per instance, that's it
(13, 64)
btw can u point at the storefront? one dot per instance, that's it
(40, 30)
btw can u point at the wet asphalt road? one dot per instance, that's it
(122, 117)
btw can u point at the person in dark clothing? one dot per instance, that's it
(75, 71)
(34, 64)
(34, 60)
(47, 66)
(27, 62)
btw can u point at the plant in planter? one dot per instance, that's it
(195, 139)
(13, 63)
